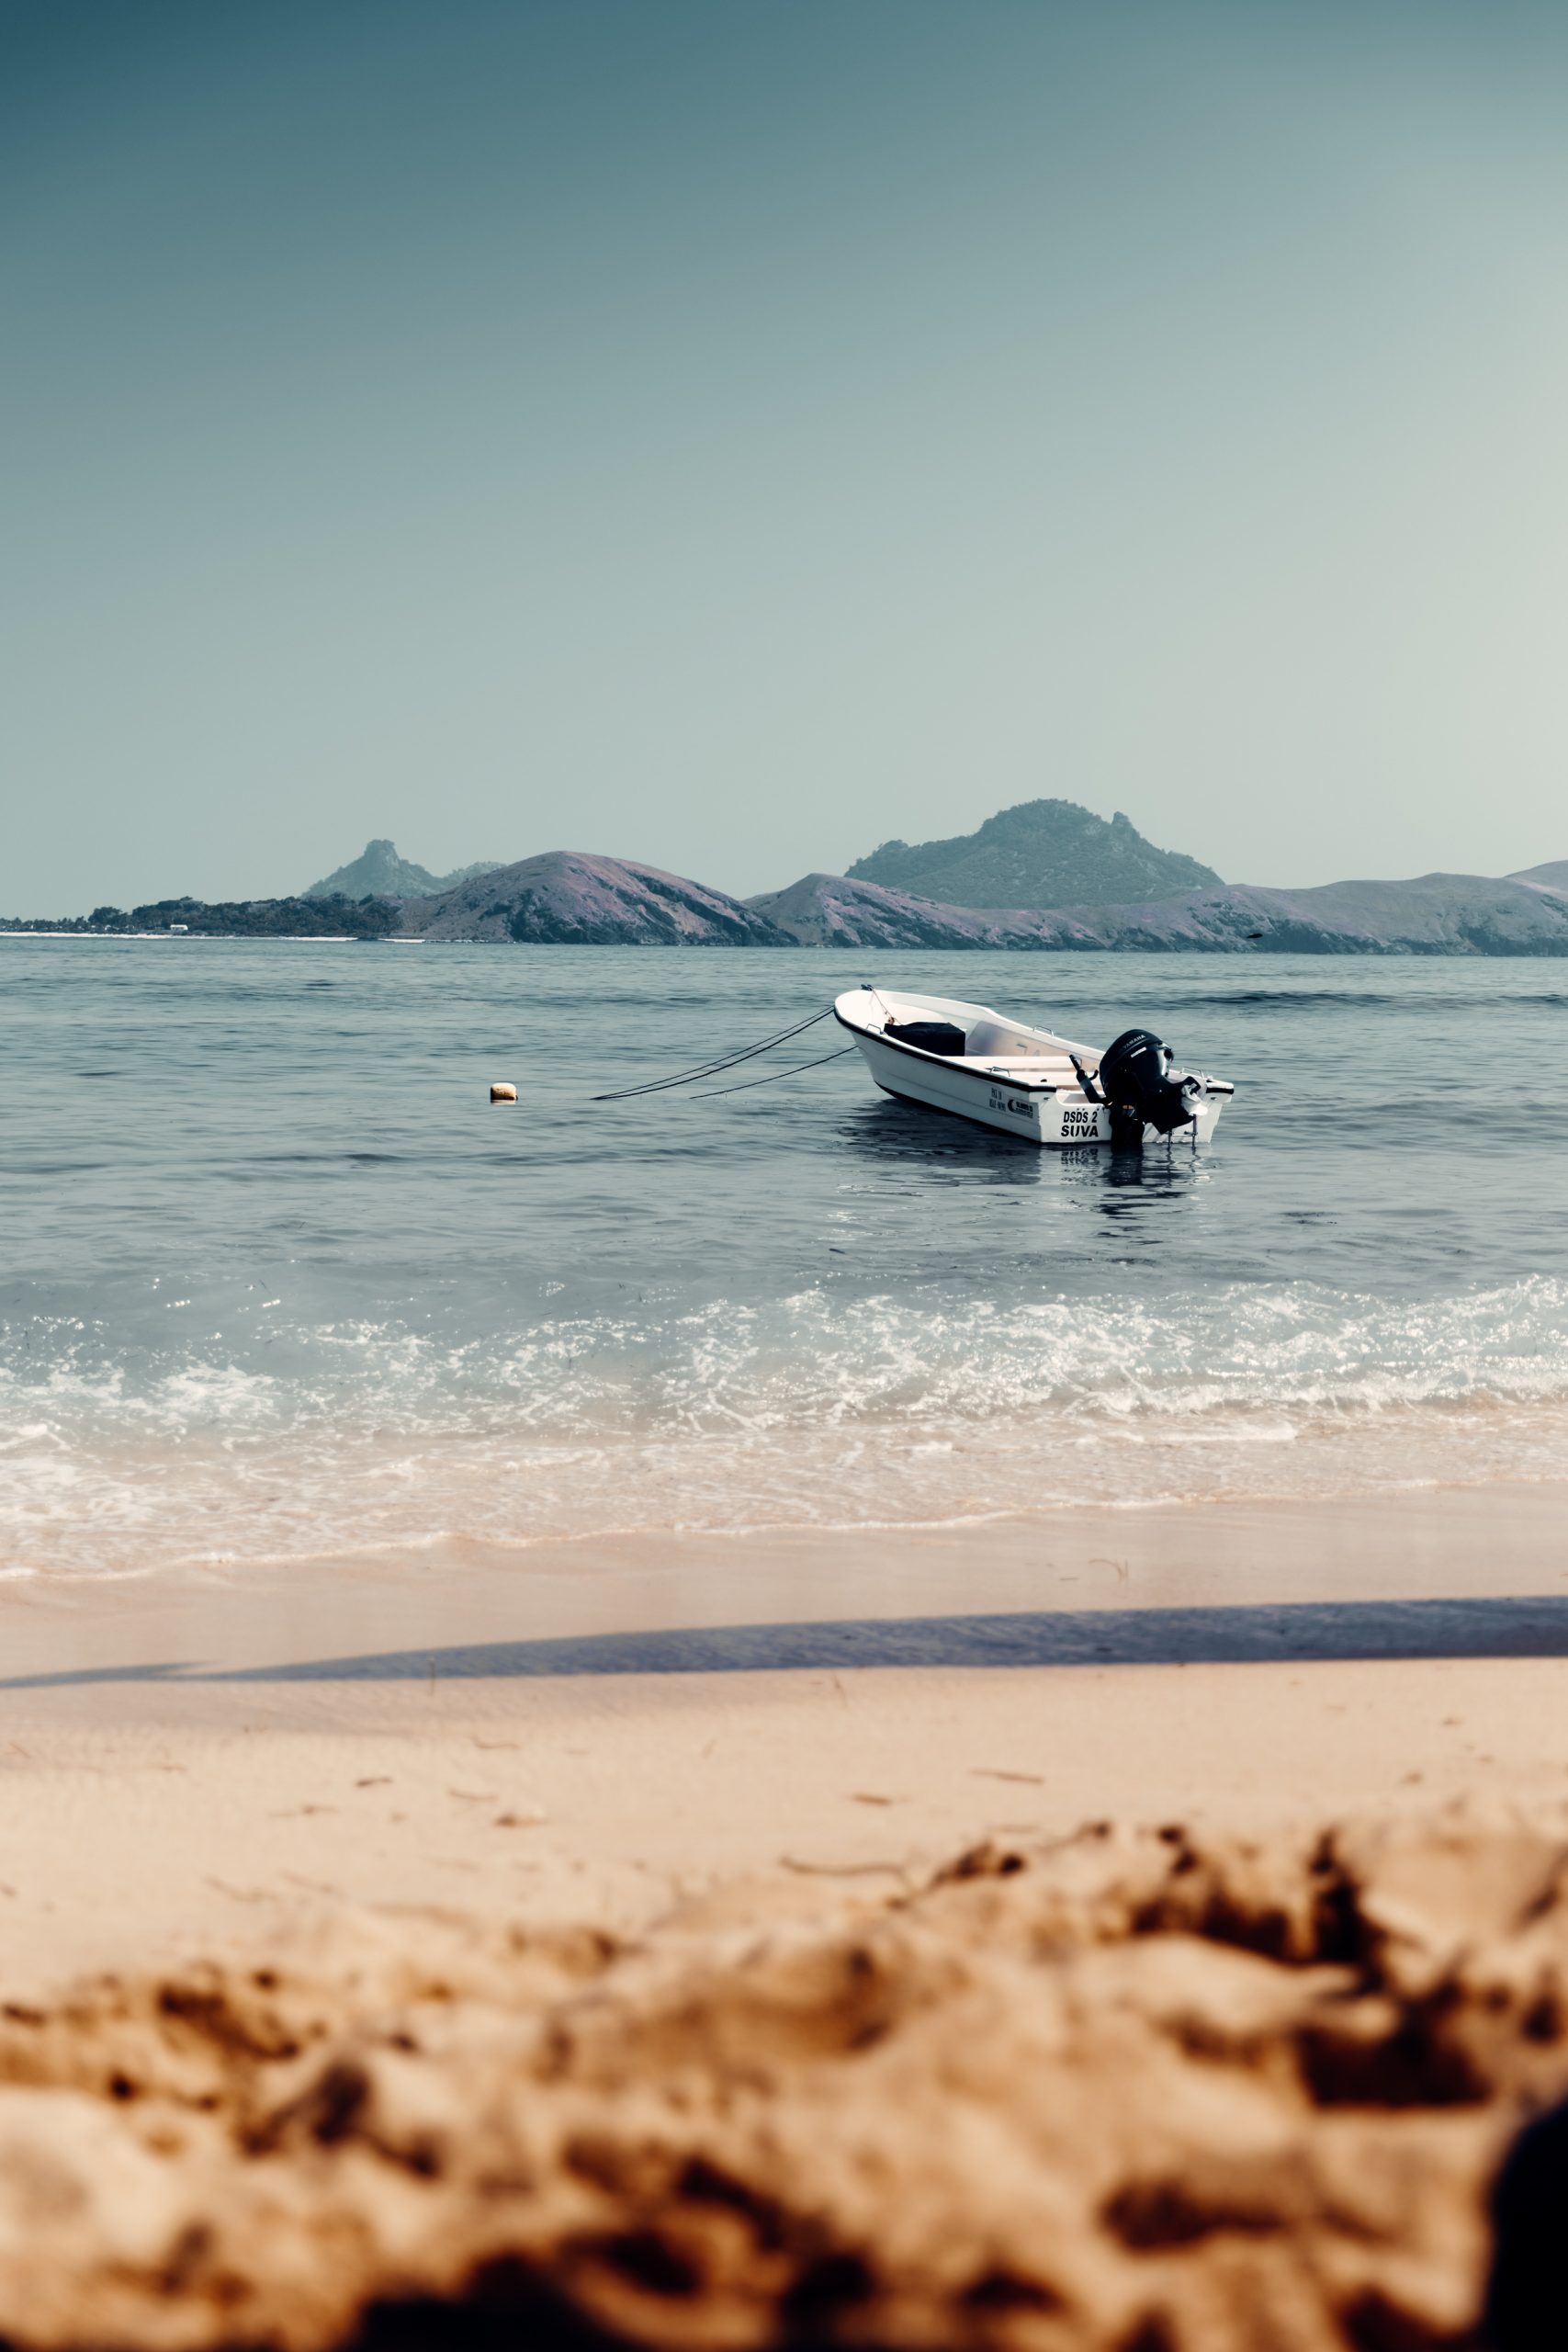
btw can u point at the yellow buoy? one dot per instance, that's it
(503, 1093)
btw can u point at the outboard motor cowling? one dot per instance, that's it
(1135, 1078)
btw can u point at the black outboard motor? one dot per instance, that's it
(1134, 1079)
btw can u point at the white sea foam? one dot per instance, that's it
(812, 1410)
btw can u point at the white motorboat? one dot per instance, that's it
(970, 1060)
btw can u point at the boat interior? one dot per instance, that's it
(976, 1037)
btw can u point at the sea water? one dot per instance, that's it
(278, 1281)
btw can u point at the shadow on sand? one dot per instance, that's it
(1293, 1633)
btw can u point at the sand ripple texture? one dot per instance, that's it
(1137, 2091)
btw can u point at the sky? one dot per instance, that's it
(731, 432)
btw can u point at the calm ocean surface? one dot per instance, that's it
(278, 1281)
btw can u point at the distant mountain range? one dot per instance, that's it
(1083, 884)
(1041, 853)
(1438, 915)
(1043, 846)
(380, 872)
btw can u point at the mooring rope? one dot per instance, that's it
(729, 1061)
(709, 1092)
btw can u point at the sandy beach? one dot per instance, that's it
(646, 1718)
(586, 1932)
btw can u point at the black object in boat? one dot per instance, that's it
(1133, 1080)
(935, 1036)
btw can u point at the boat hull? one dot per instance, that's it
(1035, 1114)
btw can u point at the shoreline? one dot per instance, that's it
(1484, 1542)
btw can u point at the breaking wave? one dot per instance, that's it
(812, 1410)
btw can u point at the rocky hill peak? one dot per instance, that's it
(380, 872)
(1038, 854)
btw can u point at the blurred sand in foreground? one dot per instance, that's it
(1124, 2089)
(653, 1995)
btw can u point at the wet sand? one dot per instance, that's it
(649, 1852)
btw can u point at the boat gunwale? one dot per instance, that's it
(976, 1069)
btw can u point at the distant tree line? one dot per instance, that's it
(366, 918)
